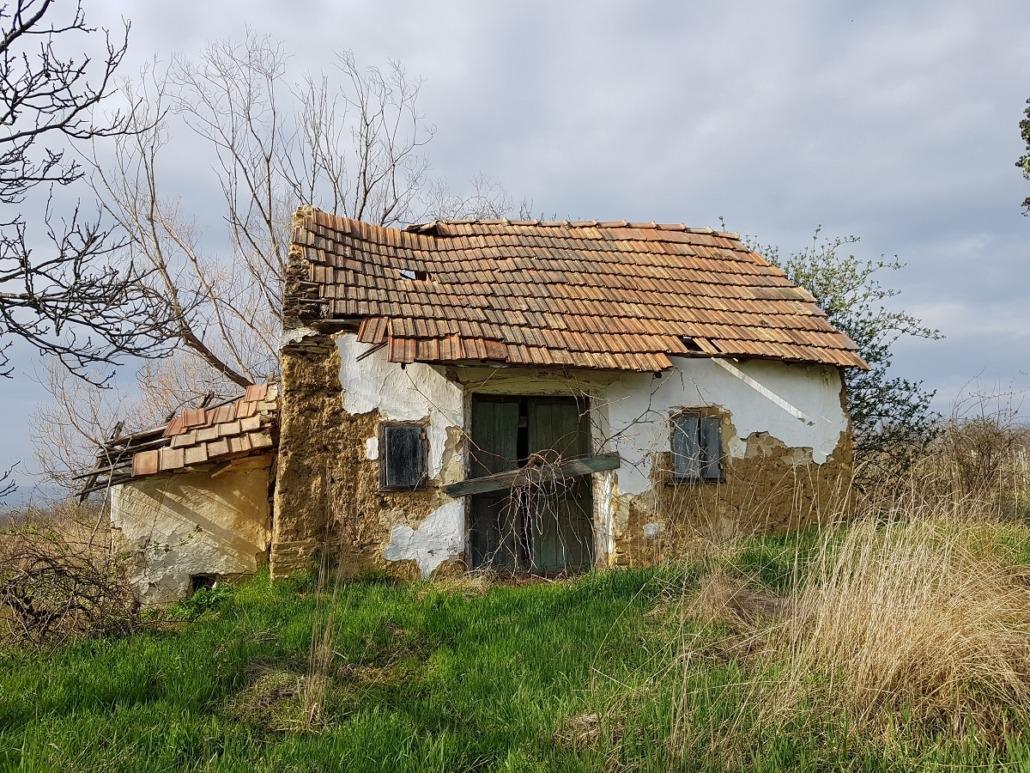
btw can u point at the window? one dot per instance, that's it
(696, 447)
(402, 456)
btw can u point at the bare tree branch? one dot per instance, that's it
(61, 288)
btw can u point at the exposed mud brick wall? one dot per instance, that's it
(771, 489)
(328, 496)
(310, 452)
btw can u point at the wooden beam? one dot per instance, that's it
(505, 480)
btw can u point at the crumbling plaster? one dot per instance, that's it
(412, 393)
(798, 405)
(422, 393)
(776, 415)
(194, 523)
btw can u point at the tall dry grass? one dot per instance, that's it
(906, 619)
(905, 624)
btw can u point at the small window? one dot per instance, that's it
(402, 456)
(696, 447)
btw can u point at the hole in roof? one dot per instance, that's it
(413, 274)
(691, 344)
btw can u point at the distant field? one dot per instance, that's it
(636, 670)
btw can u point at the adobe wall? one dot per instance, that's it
(328, 495)
(785, 436)
(787, 455)
(193, 523)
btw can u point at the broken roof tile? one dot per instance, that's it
(145, 463)
(199, 435)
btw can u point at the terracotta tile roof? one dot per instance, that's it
(612, 295)
(196, 436)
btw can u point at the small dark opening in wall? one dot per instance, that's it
(201, 581)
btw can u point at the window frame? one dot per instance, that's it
(423, 482)
(702, 415)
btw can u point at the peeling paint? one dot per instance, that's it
(438, 538)
(174, 527)
(296, 335)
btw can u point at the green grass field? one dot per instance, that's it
(426, 677)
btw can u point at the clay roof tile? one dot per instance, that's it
(534, 288)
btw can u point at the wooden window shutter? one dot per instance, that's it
(402, 456)
(686, 447)
(711, 448)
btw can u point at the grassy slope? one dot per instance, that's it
(425, 679)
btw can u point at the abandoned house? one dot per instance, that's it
(514, 396)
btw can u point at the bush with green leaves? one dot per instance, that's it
(892, 417)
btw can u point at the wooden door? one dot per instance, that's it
(545, 529)
(561, 524)
(494, 539)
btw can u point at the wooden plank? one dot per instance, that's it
(505, 480)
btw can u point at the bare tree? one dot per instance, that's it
(349, 142)
(61, 289)
(73, 426)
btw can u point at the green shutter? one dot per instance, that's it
(711, 447)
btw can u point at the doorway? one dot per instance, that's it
(540, 527)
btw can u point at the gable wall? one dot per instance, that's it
(172, 527)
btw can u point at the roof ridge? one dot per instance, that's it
(429, 225)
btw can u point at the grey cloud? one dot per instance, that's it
(896, 122)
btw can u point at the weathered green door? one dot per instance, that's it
(493, 537)
(560, 521)
(546, 528)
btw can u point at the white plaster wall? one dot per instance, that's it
(797, 404)
(439, 537)
(190, 523)
(412, 393)
(416, 392)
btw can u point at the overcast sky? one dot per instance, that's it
(896, 122)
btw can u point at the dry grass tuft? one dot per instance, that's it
(588, 731)
(725, 597)
(468, 585)
(273, 701)
(904, 619)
